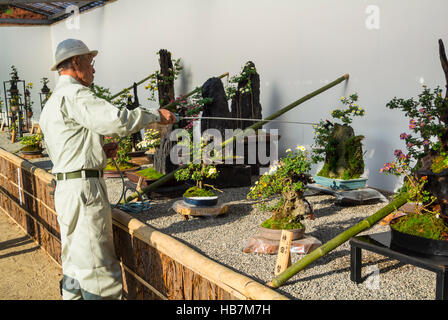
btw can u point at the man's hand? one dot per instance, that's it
(166, 117)
(111, 149)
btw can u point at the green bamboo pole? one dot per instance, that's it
(170, 105)
(255, 126)
(337, 241)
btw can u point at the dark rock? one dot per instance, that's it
(247, 105)
(213, 88)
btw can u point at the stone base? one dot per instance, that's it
(31, 156)
(351, 197)
(187, 210)
(258, 244)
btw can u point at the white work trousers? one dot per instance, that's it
(89, 264)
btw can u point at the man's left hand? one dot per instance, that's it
(111, 149)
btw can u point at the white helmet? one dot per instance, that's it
(70, 48)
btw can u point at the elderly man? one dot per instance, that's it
(74, 123)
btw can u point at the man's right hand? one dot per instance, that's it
(166, 117)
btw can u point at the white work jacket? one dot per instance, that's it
(74, 123)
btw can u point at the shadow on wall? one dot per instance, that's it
(185, 80)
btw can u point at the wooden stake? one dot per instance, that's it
(3, 124)
(284, 253)
(13, 136)
(139, 184)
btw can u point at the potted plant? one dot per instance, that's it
(339, 148)
(28, 102)
(14, 103)
(425, 171)
(201, 194)
(288, 179)
(32, 144)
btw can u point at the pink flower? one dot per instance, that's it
(421, 110)
(404, 136)
(426, 142)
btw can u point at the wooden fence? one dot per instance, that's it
(154, 265)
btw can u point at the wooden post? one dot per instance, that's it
(2, 125)
(284, 253)
(13, 136)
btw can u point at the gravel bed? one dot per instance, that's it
(223, 239)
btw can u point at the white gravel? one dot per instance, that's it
(223, 239)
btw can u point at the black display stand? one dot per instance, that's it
(381, 243)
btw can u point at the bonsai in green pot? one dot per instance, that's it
(32, 144)
(339, 148)
(424, 165)
(287, 179)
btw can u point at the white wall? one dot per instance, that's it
(29, 50)
(297, 47)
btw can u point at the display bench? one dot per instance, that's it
(381, 243)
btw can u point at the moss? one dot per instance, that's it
(31, 148)
(423, 225)
(354, 157)
(346, 175)
(281, 224)
(439, 164)
(150, 173)
(198, 192)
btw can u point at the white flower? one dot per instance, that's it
(211, 171)
(256, 182)
(301, 148)
(288, 150)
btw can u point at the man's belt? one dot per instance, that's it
(79, 174)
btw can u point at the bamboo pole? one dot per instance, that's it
(255, 126)
(337, 241)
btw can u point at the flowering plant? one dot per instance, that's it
(287, 178)
(32, 140)
(427, 125)
(124, 147)
(244, 77)
(191, 107)
(156, 79)
(151, 140)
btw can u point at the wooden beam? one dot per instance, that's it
(13, 2)
(25, 21)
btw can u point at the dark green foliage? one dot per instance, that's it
(425, 225)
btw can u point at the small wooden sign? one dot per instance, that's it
(284, 254)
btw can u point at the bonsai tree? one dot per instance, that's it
(45, 89)
(32, 142)
(337, 145)
(425, 165)
(198, 170)
(288, 179)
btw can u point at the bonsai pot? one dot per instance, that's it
(340, 184)
(31, 150)
(275, 234)
(418, 244)
(202, 201)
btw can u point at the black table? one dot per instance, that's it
(381, 243)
